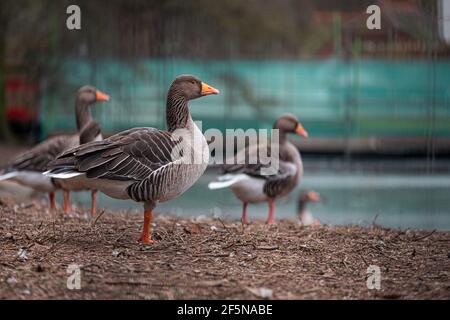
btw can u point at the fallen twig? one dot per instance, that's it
(363, 259)
(374, 219)
(52, 248)
(275, 247)
(223, 225)
(425, 236)
(216, 255)
(98, 217)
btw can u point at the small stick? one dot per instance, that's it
(223, 225)
(425, 236)
(363, 259)
(374, 219)
(98, 217)
(267, 247)
(120, 237)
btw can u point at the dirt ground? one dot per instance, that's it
(212, 259)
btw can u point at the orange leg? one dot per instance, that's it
(66, 201)
(270, 216)
(93, 202)
(51, 197)
(244, 213)
(145, 235)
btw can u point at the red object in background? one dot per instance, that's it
(21, 99)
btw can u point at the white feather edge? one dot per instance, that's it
(65, 175)
(9, 175)
(227, 180)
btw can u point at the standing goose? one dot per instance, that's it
(305, 218)
(145, 164)
(88, 130)
(27, 168)
(248, 183)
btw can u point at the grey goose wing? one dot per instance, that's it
(37, 158)
(130, 155)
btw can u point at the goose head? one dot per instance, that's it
(88, 95)
(288, 123)
(303, 198)
(309, 196)
(191, 87)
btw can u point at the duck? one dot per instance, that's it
(250, 185)
(305, 218)
(145, 164)
(27, 168)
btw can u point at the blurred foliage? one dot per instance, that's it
(36, 35)
(187, 28)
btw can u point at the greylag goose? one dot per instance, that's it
(248, 183)
(305, 218)
(145, 164)
(89, 130)
(27, 168)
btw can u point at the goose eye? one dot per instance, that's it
(193, 82)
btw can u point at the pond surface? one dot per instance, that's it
(400, 200)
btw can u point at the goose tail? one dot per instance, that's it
(226, 181)
(62, 173)
(8, 175)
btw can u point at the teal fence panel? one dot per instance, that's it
(332, 98)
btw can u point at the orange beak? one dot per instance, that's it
(100, 96)
(301, 131)
(314, 196)
(207, 89)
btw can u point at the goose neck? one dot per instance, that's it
(177, 111)
(282, 137)
(301, 207)
(83, 113)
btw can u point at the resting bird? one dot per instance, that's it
(248, 182)
(305, 218)
(27, 168)
(145, 164)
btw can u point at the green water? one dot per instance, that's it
(398, 200)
